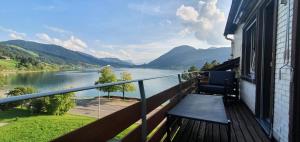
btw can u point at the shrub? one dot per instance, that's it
(59, 104)
(37, 105)
(17, 92)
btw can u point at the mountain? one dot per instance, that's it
(184, 56)
(55, 54)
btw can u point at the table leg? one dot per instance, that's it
(229, 131)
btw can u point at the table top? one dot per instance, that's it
(201, 107)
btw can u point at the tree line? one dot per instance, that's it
(206, 67)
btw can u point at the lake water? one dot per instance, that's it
(51, 81)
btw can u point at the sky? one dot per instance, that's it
(135, 30)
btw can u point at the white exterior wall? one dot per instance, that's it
(282, 86)
(248, 94)
(238, 42)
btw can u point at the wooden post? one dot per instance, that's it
(144, 111)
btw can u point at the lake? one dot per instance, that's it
(51, 81)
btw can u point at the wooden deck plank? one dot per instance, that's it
(251, 118)
(209, 132)
(216, 132)
(201, 132)
(193, 137)
(244, 128)
(242, 124)
(181, 131)
(223, 133)
(248, 124)
(235, 126)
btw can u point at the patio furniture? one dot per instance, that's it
(198, 107)
(220, 82)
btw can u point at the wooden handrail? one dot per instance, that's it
(108, 127)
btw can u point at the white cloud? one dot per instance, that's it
(184, 32)
(187, 13)
(13, 34)
(73, 43)
(102, 54)
(207, 23)
(57, 30)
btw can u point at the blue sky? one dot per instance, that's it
(136, 30)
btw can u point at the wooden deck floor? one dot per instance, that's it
(244, 128)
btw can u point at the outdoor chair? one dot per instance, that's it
(220, 82)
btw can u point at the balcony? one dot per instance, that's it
(150, 115)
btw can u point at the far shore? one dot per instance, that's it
(24, 71)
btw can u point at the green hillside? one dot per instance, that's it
(14, 58)
(54, 54)
(20, 55)
(8, 64)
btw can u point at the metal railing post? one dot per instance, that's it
(179, 78)
(99, 103)
(144, 111)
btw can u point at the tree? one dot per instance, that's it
(186, 75)
(107, 76)
(17, 92)
(193, 69)
(207, 66)
(128, 87)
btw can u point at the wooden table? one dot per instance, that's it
(199, 107)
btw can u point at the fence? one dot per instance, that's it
(108, 127)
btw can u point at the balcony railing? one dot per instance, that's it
(108, 127)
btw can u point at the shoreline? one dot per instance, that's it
(5, 72)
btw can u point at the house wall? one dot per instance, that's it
(248, 94)
(282, 86)
(238, 42)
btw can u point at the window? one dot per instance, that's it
(249, 51)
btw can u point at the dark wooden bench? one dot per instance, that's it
(198, 107)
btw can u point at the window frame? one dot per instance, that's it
(249, 51)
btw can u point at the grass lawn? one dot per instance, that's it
(8, 64)
(22, 126)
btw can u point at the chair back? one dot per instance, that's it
(219, 77)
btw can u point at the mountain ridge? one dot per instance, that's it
(184, 56)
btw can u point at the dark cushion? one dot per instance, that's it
(219, 77)
(212, 89)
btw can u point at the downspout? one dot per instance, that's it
(232, 43)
